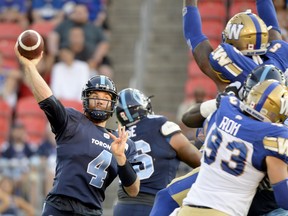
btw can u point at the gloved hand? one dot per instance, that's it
(233, 88)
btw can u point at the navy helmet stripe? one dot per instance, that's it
(264, 96)
(125, 107)
(258, 30)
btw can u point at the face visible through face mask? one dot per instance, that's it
(100, 100)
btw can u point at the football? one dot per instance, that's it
(30, 44)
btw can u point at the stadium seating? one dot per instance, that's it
(238, 6)
(43, 28)
(213, 29)
(213, 10)
(10, 31)
(34, 119)
(5, 121)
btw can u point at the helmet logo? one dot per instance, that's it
(234, 31)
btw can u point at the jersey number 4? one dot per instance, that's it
(97, 168)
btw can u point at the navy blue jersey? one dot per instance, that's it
(85, 164)
(159, 159)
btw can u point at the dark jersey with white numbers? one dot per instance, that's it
(85, 164)
(159, 159)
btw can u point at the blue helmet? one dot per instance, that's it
(261, 73)
(99, 83)
(133, 105)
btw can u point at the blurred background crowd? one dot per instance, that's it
(77, 36)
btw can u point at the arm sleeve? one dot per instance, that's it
(267, 12)
(281, 193)
(55, 112)
(192, 26)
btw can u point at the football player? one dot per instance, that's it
(247, 42)
(245, 140)
(160, 147)
(172, 196)
(89, 156)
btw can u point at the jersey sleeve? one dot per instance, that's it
(230, 64)
(169, 128)
(276, 147)
(55, 112)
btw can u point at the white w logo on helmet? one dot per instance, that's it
(284, 106)
(234, 31)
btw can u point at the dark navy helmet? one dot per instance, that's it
(99, 83)
(261, 73)
(133, 105)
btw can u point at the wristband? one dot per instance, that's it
(127, 174)
(281, 193)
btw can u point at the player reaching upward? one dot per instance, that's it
(244, 141)
(247, 43)
(172, 196)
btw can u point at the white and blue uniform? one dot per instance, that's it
(234, 156)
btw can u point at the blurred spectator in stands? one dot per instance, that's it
(17, 204)
(14, 11)
(47, 11)
(282, 14)
(17, 147)
(68, 76)
(94, 36)
(9, 83)
(97, 10)
(106, 68)
(47, 154)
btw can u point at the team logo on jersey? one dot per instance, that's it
(107, 136)
(234, 31)
(279, 145)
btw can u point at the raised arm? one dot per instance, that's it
(37, 84)
(197, 41)
(267, 13)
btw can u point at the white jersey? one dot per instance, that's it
(232, 162)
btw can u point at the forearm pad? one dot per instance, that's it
(192, 27)
(127, 174)
(281, 193)
(208, 107)
(267, 13)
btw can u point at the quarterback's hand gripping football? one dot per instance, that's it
(25, 61)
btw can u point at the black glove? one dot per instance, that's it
(220, 96)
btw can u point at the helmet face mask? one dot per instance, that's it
(247, 32)
(261, 73)
(95, 84)
(264, 101)
(133, 105)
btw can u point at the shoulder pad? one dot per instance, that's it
(169, 128)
